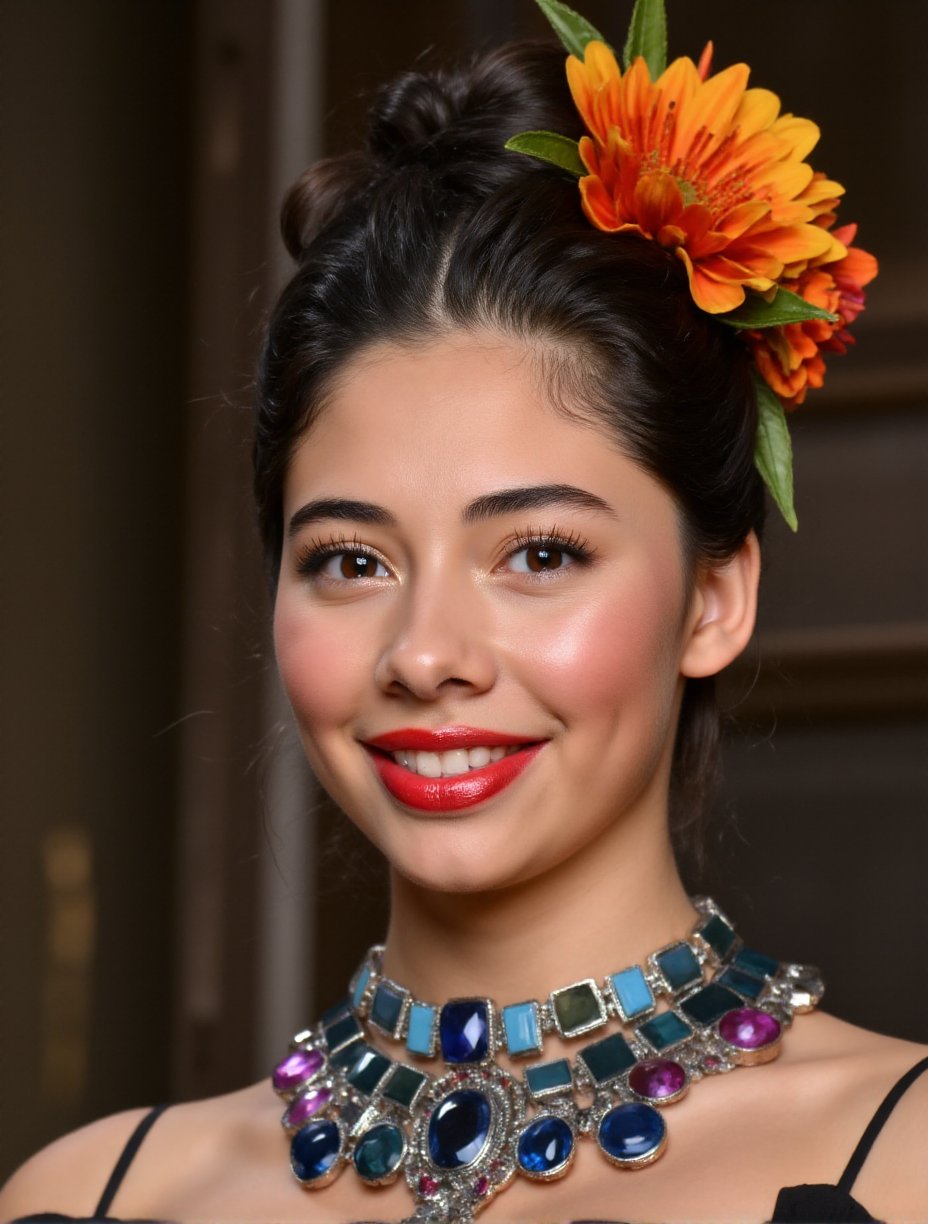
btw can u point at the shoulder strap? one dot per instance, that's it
(126, 1157)
(877, 1122)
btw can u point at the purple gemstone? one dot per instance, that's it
(296, 1069)
(657, 1078)
(306, 1105)
(748, 1028)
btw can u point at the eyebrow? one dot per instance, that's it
(487, 506)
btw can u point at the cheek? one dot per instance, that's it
(319, 664)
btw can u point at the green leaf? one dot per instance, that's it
(560, 151)
(784, 308)
(573, 30)
(647, 36)
(773, 451)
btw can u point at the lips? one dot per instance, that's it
(452, 793)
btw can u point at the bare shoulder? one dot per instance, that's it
(860, 1068)
(69, 1175)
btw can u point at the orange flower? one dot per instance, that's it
(790, 358)
(706, 167)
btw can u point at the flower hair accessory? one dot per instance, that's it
(714, 172)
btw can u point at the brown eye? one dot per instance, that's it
(350, 565)
(357, 565)
(540, 559)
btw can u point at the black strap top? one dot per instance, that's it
(822, 1204)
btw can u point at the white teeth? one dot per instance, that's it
(452, 763)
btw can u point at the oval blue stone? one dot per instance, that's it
(379, 1152)
(458, 1129)
(631, 1132)
(545, 1144)
(315, 1149)
(464, 1030)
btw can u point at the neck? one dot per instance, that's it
(608, 907)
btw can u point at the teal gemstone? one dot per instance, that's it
(520, 1024)
(578, 1008)
(348, 1055)
(718, 935)
(665, 1030)
(342, 1033)
(544, 1079)
(420, 1033)
(607, 1059)
(706, 1005)
(379, 1153)
(369, 1069)
(756, 963)
(632, 992)
(387, 1008)
(746, 984)
(336, 1012)
(679, 966)
(360, 985)
(403, 1085)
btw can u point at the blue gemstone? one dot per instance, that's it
(315, 1150)
(664, 1031)
(679, 966)
(706, 1005)
(543, 1079)
(360, 985)
(631, 1133)
(520, 1023)
(756, 963)
(459, 1129)
(379, 1152)
(387, 1008)
(464, 1030)
(607, 1059)
(746, 984)
(545, 1146)
(632, 992)
(420, 1035)
(718, 935)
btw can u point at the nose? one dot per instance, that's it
(438, 642)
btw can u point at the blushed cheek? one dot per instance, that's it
(312, 665)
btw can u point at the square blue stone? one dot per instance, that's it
(632, 992)
(464, 1030)
(368, 1069)
(523, 1032)
(607, 1059)
(545, 1079)
(718, 935)
(745, 983)
(679, 966)
(420, 1032)
(387, 1007)
(342, 1032)
(756, 963)
(706, 1005)
(664, 1031)
(360, 985)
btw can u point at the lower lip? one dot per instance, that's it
(452, 794)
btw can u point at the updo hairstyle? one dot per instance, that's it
(434, 227)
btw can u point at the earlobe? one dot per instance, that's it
(724, 610)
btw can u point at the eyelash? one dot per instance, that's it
(313, 555)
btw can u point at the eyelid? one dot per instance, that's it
(313, 555)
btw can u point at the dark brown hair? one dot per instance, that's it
(435, 226)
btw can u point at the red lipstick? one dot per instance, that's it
(461, 790)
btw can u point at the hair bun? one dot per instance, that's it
(319, 195)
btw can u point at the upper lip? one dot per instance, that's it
(444, 739)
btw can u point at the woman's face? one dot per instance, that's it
(464, 569)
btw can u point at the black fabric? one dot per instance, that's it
(823, 1204)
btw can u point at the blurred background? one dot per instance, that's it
(175, 898)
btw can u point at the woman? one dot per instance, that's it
(506, 483)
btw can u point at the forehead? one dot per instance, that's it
(429, 427)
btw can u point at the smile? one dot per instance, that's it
(450, 769)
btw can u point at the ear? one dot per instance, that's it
(723, 612)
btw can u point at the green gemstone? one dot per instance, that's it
(379, 1152)
(403, 1085)
(369, 1069)
(607, 1059)
(578, 1008)
(706, 1005)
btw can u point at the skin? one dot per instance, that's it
(452, 626)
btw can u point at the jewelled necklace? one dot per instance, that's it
(701, 1006)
